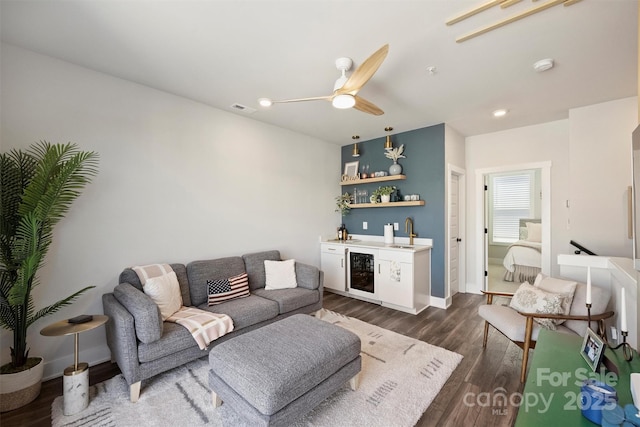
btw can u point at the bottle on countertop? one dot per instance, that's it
(345, 233)
(340, 232)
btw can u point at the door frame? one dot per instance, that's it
(545, 214)
(453, 170)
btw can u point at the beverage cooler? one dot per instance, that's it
(361, 273)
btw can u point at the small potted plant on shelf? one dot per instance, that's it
(37, 188)
(384, 193)
(343, 204)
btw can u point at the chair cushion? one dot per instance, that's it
(529, 299)
(566, 288)
(599, 302)
(512, 324)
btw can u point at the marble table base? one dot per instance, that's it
(76, 388)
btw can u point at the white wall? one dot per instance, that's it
(178, 181)
(547, 142)
(594, 140)
(601, 173)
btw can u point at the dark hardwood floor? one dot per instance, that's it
(466, 399)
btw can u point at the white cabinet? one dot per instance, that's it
(334, 265)
(404, 279)
(401, 278)
(395, 278)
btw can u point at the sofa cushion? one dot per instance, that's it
(147, 319)
(254, 266)
(199, 272)
(130, 276)
(174, 338)
(308, 276)
(280, 274)
(222, 290)
(290, 299)
(245, 311)
(165, 292)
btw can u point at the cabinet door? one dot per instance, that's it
(395, 282)
(332, 263)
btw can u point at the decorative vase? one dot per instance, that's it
(395, 168)
(16, 390)
(373, 199)
(385, 198)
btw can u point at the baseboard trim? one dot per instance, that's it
(442, 303)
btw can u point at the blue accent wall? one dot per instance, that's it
(424, 167)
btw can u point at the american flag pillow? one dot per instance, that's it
(225, 289)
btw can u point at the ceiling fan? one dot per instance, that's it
(345, 90)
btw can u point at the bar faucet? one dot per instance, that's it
(408, 228)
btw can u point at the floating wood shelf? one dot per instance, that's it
(378, 179)
(387, 205)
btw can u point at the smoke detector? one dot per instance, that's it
(543, 65)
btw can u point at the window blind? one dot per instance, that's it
(511, 199)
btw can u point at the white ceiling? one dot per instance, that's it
(225, 52)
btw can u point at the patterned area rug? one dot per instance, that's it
(400, 378)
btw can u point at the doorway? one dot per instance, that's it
(490, 263)
(455, 268)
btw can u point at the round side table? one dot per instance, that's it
(76, 377)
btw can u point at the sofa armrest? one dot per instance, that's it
(308, 276)
(145, 312)
(121, 338)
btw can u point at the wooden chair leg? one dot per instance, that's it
(354, 382)
(527, 345)
(486, 334)
(215, 399)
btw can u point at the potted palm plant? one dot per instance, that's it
(37, 188)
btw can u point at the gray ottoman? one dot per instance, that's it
(276, 374)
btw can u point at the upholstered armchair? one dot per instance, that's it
(569, 316)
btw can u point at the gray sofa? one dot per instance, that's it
(143, 345)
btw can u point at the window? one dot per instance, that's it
(511, 198)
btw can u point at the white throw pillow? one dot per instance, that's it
(529, 299)
(165, 292)
(566, 288)
(280, 274)
(534, 232)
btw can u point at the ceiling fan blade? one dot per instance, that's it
(364, 72)
(313, 98)
(367, 106)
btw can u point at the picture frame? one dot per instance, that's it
(592, 349)
(351, 168)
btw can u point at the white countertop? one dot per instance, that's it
(377, 242)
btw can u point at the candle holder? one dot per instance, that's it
(627, 352)
(589, 314)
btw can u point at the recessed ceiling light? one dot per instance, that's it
(265, 102)
(543, 65)
(500, 113)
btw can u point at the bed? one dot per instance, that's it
(523, 260)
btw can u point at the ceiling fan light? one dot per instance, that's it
(265, 102)
(343, 101)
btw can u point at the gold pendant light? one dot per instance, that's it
(388, 145)
(356, 150)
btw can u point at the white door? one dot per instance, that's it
(454, 244)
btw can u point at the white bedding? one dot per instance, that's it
(524, 253)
